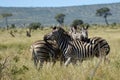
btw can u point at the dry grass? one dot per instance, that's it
(20, 66)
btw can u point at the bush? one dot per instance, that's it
(12, 26)
(35, 26)
(77, 22)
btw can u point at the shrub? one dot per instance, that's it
(35, 26)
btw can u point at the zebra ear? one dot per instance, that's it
(87, 26)
(82, 28)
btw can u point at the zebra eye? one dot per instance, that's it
(106, 49)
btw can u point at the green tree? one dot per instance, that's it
(60, 18)
(104, 12)
(6, 15)
(13, 26)
(77, 22)
(35, 26)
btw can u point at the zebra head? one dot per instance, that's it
(57, 33)
(84, 32)
(52, 35)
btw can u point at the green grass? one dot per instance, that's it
(21, 67)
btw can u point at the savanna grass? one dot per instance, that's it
(21, 67)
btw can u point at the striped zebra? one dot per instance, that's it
(84, 37)
(76, 49)
(81, 35)
(44, 51)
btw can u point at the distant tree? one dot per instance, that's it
(35, 26)
(77, 22)
(86, 25)
(104, 12)
(6, 15)
(60, 18)
(12, 26)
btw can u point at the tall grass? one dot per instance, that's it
(20, 66)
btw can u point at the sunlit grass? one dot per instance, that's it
(21, 67)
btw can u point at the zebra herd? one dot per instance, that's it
(64, 46)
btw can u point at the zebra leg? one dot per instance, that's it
(106, 60)
(35, 61)
(40, 64)
(68, 61)
(74, 62)
(80, 62)
(95, 69)
(62, 60)
(97, 65)
(53, 61)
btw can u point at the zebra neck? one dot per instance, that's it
(62, 41)
(62, 44)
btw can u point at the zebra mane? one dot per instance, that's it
(65, 33)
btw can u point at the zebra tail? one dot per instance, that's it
(34, 56)
(108, 50)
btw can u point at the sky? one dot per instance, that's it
(51, 3)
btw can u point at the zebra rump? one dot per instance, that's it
(44, 51)
(102, 43)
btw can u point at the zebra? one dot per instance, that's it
(81, 35)
(44, 51)
(84, 37)
(76, 49)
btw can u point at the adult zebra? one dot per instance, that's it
(44, 51)
(81, 35)
(76, 49)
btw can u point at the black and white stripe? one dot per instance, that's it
(77, 49)
(44, 51)
(83, 36)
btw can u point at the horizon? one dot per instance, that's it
(55, 6)
(54, 3)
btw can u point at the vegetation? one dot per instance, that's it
(104, 12)
(35, 26)
(60, 18)
(15, 57)
(77, 22)
(46, 15)
(6, 15)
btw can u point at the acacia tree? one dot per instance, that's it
(6, 15)
(77, 22)
(35, 25)
(60, 18)
(104, 12)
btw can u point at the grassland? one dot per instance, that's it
(19, 65)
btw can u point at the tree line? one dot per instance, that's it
(102, 12)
